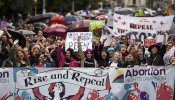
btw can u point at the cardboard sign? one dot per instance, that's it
(149, 42)
(141, 25)
(85, 39)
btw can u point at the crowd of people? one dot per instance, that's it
(49, 51)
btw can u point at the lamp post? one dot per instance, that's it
(44, 6)
(35, 2)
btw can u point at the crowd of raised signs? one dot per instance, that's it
(42, 50)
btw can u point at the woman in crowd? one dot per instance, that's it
(44, 61)
(87, 59)
(66, 60)
(18, 57)
(155, 58)
(116, 61)
(130, 61)
(103, 60)
(123, 52)
(35, 53)
(132, 49)
(111, 53)
(141, 57)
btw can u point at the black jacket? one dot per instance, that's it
(156, 60)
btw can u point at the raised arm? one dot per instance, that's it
(80, 51)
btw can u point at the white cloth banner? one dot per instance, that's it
(137, 83)
(67, 76)
(85, 39)
(127, 24)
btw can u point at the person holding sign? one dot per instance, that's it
(87, 60)
(65, 60)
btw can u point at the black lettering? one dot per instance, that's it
(128, 73)
(162, 72)
(87, 81)
(75, 76)
(44, 78)
(81, 79)
(135, 72)
(39, 79)
(27, 81)
(93, 81)
(70, 44)
(53, 76)
(142, 36)
(141, 72)
(65, 76)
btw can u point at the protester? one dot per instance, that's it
(43, 50)
(116, 61)
(155, 58)
(5, 44)
(87, 59)
(103, 60)
(18, 57)
(141, 58)
(66, 60)
(130, 61)
(123, 52)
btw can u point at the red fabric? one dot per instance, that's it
(18, 98)
(102, 17)
(37, 94)
(57, 19)
(39, 65)
(108, 86)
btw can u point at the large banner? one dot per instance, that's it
(141, 27)
(138, 83)
(85, 39)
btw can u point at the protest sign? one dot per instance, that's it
(95, 26)
(143, 83)
(85, 39)
(137, 25)
(149, 42)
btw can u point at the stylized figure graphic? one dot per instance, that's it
(94, 95)
(163, 92)
(141, 95)
(111, 96)
(7, 95)
(57, 91)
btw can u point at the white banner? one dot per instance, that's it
(127, 24)
(137, 83)
(85, 39)
(67, 76)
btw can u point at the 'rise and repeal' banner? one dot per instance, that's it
(138, 83)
